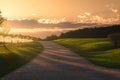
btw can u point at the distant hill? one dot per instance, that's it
(97, 32)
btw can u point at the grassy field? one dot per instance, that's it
(17, 55)
(97, 50)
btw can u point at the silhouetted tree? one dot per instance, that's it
(115, 38)
(97, 32)
(52, 37)
(3, 28)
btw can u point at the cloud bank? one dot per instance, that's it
(31, 24)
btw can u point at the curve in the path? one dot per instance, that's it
(58, 63)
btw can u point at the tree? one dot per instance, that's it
(92, 32)
(52, 37)
(115, 38)
(3, 28)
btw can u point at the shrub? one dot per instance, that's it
(115, 38)
(52, 37)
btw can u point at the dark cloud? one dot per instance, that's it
(70, 24)
(35, 24)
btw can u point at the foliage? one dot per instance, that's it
(1, 19)
(115, 38)
(97, 32)
(4, 28)
(99, 51)
(52, 37)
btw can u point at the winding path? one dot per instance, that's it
(58, 63)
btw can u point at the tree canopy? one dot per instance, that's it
(3, 27)
(97, 32)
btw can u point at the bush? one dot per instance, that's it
(115, 38)
(52, 37)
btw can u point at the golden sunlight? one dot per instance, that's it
(60, 39)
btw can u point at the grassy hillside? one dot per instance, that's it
(99, 51)
(17, 55)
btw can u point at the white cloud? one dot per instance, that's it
(112, 8)
(87, 13)
(81, 16)
(98, 19)
(51, 21)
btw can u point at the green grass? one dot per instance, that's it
(17, 55)
(99, 51)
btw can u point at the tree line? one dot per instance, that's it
(112, 32)
(5, 37)
(97, 32)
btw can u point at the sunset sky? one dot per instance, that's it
(59, 14)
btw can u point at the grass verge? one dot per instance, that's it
(99, 51)
(17, 55)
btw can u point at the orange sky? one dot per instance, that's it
(57, 8)
(29, 13)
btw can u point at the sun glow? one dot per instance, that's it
(40, 32)
(22, 30)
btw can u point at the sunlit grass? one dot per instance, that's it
(99, 51)
(17, 55)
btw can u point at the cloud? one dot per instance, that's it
(35, 24)
(75, 25)
(51, 21)
(22, 23)
(87, 13)
(95, 18)
(112, 8)
(34, 28)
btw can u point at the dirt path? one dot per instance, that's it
(59, 63)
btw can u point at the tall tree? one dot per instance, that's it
(3, 28)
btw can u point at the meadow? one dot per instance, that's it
(16, 55)
(99, 51)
